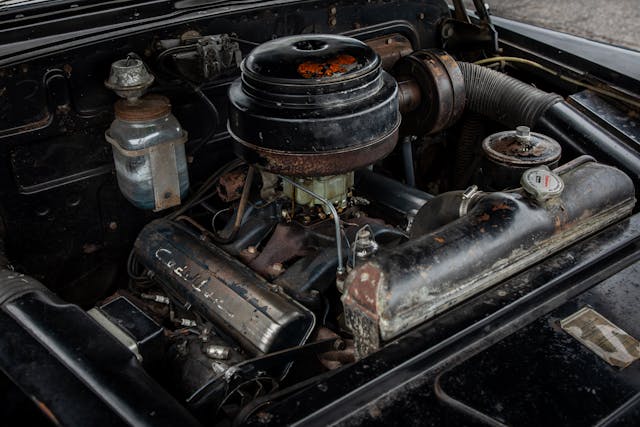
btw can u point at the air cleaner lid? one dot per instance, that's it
(521, 148)
(311, 60)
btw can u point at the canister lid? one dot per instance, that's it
(521, 148)
(310, 59)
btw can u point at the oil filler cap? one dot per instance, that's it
(541, 183)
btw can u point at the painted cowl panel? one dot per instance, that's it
(503, 234)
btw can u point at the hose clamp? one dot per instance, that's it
(467, 197)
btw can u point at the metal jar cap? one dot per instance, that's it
(129, 78)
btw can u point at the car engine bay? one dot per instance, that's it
(227, 207)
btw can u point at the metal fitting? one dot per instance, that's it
(156, 298)
(218, 352)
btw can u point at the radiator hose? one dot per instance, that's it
(503, 98)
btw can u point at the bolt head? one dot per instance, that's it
(523, 132)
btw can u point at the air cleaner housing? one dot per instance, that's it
(313, 105)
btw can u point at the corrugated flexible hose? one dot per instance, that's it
(504, 98)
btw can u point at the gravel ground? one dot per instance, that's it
(611, 21)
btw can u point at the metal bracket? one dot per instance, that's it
(164, 176)
(164, 170)
(219, 54)
(459, 31)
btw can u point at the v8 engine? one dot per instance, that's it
(306, 221)
(266, 212)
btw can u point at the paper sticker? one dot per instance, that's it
(602, 337)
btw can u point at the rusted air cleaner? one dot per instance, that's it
(313, 105)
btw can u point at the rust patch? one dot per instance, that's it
(363, 288)
(247, 256)
(285, 244)
(337, 65)
(342, 354)
(391, 48)
(438, 77)
(150, 107)
(319, 163)
(46, 119)
(501, 207)
(484, 217)
(230, 185)
(439, 239)
(46, 411)
(374, 411)
(409, 95)
(89, 248)
(557, 223)
(511, 146)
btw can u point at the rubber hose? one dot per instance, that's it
(439, 211)
(472, 131)
(502, 98)
(14, 285)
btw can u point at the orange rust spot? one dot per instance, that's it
(557, 223)
(315, 70)
(363, 287)
(439, 239)
(484, 217)
(501, 207)
(46, 411)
